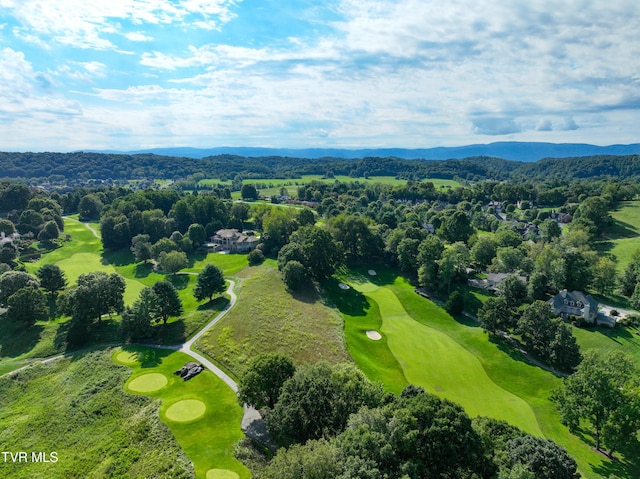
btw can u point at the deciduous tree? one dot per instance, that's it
(168, 301)
(260, 384)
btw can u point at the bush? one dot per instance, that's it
(255, 257)
(455, 304)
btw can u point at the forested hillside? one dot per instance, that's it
(84, 166)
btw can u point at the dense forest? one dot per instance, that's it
(85, 166)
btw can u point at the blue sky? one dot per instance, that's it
(133, 74)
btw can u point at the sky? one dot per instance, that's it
(136, 74)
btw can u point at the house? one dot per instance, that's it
(234, 240)
(492, 281)
(575, 303)
(4, 238)
(429, 227)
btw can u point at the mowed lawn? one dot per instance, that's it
(623, 237)
(453, 358)
(202, 413)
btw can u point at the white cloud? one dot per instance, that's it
(138, 37)
(85, 24)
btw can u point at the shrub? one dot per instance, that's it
(255, 257)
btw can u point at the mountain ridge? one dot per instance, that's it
(516, 151)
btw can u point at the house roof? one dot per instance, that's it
(577, 297)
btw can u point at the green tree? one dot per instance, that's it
(136, 320)
(513, 290)
(447, 269)
(197, 234)
(295, 275)
(49, 231)
(357, 236)
(484, 250)
(7, 227)
(595, 391)
(604, 276)
(631, 275)
(314, 460)
(408, 255)
(96, 294)
(543, 458)
(210, 281)
(306, 217)
(596, 210)
(260, 384)
(90, 207)
(319, 253)
(163, 245)
(12, 281)
(27, 305)
(249, 192)
(277, 225)
(255, 257)
(172, 262)
(549, 229)
(168, 301)
(455, 304)
(538, 286)
(8, 253)
(182, 215)
(141, 248)
(318, 400)
(456, 227)
(496, 315)
(52, 279)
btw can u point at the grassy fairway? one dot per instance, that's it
(454, 359)
(77, 408)
(202, 413)
(623, 237)
(268, 318)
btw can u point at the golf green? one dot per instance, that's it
(221, 474)
(433, 360)
(186, 410)
(148, 382)
(127, 357)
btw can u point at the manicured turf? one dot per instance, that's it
(221, 474)
(464, 353)
(147, 382)
(433, 360)
(185, 410)
(623, 237)
(202, 413)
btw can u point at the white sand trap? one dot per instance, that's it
(374, 335)
(372, 272)
(343, 286)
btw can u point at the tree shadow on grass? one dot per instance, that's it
(306, 294)
(143, 270)
(348, 301)
(17, 338)
(217, 304)
(174, 332)
(179, 281)
(120, 257)
(614, 334)
(150, 357)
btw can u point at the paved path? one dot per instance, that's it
(252, 422)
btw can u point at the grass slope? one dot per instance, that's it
(450, 352)
(623, 237)
(268, 318)
(209, 435)
(78, 408)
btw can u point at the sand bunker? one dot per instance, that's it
(186, 410)
(130, 358)
(343, 286)
(221, 474)
(148, 382)
(372, 272)
(374, 335)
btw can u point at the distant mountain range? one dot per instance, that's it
(518, 151)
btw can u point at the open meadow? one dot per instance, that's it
(77, 408)
(272, 186)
